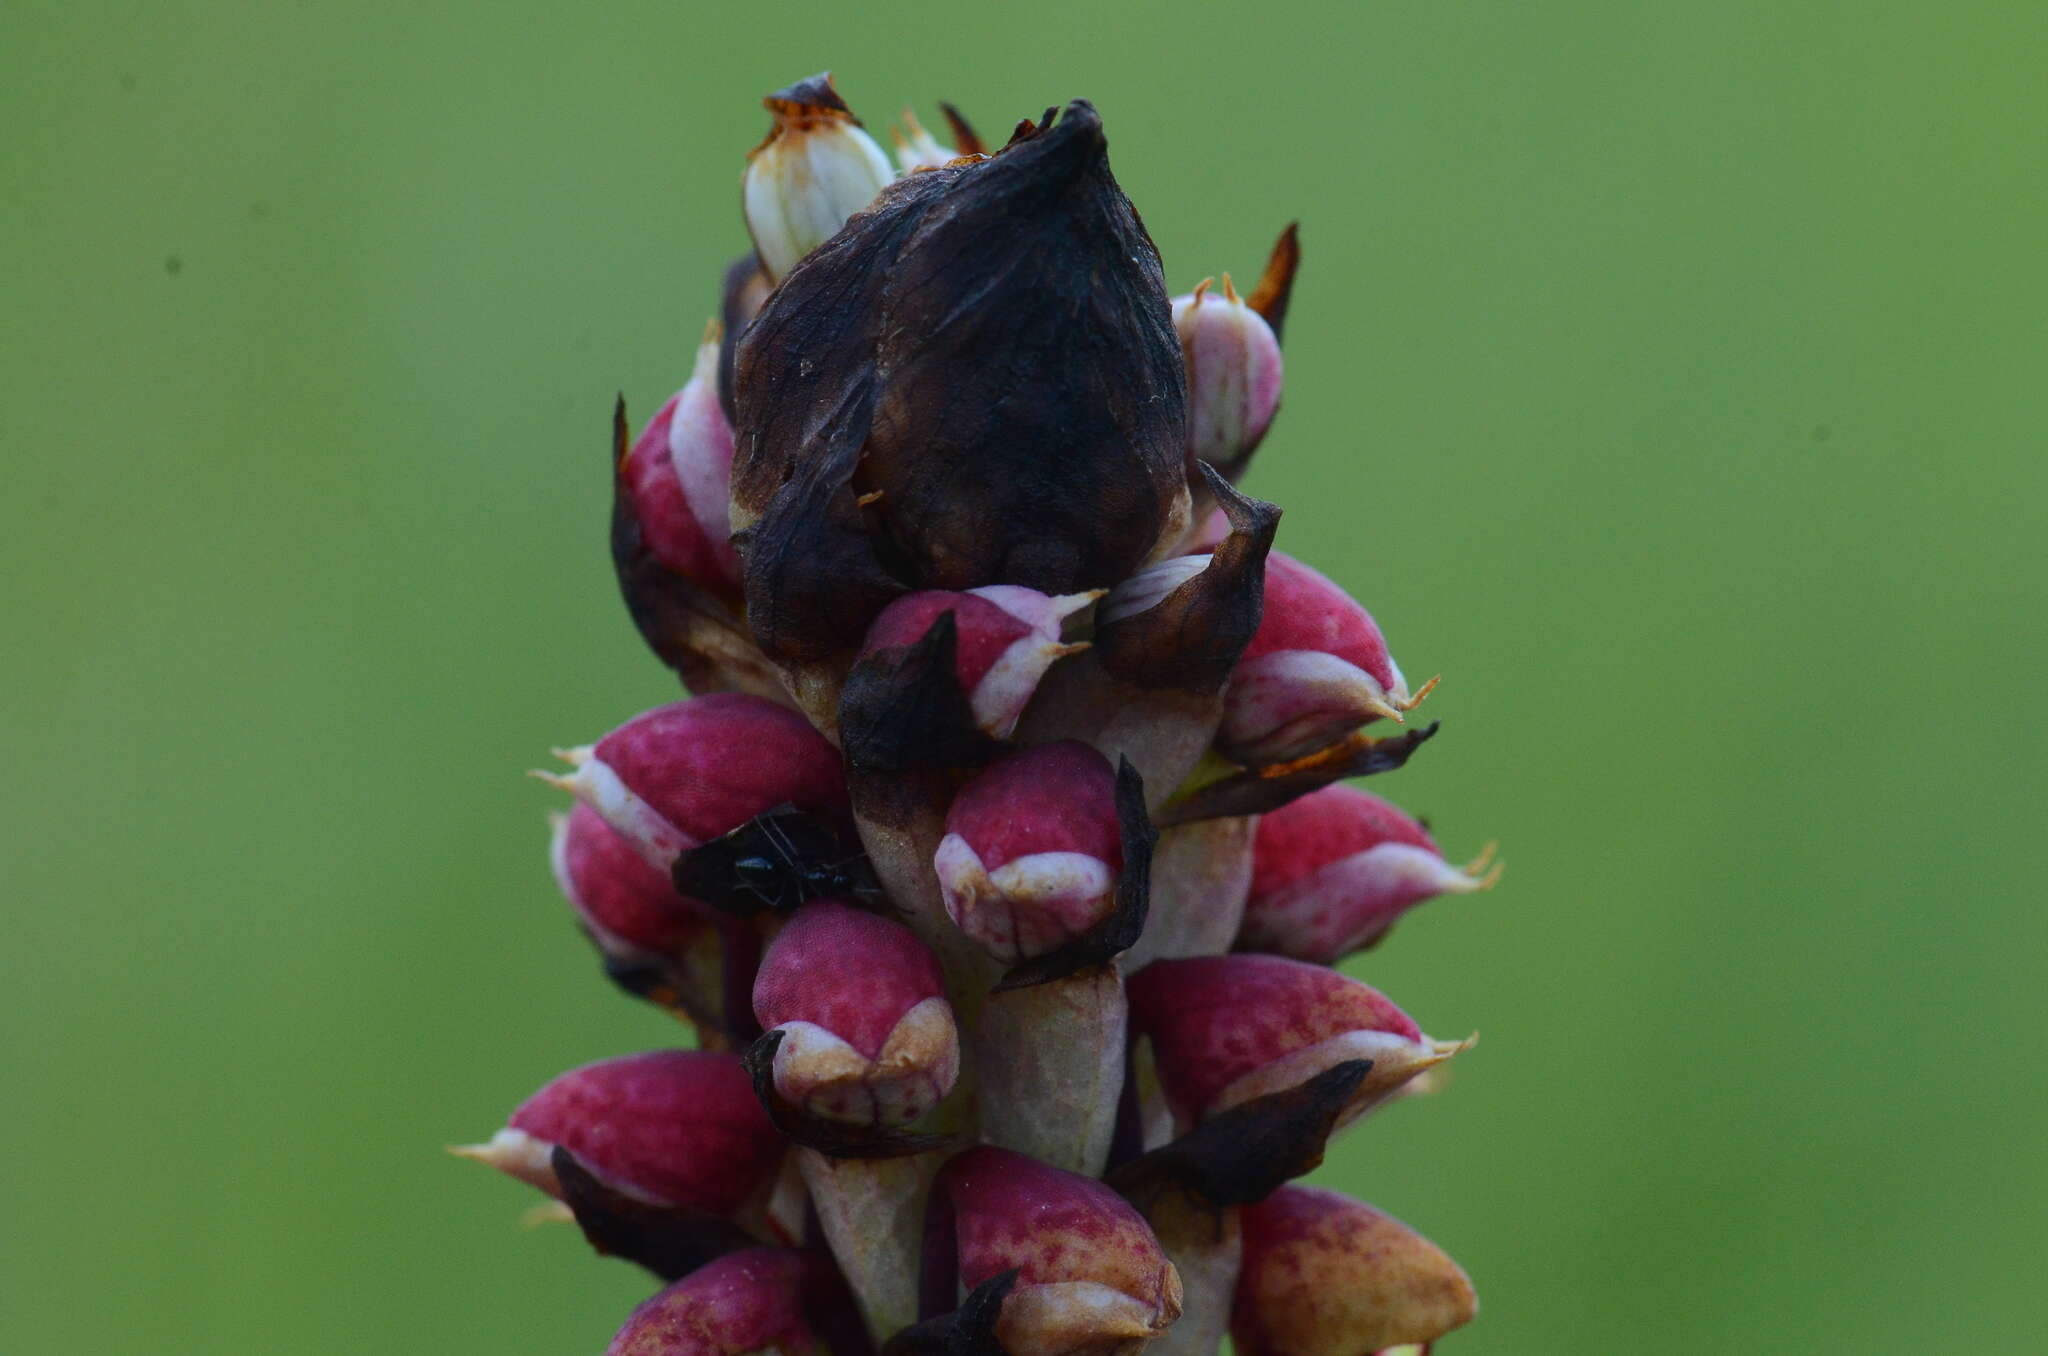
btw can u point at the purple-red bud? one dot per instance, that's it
(680, 775)
(868, 1036)
(1226, 1029)
(630, 908)
(1091, 1278)
(1332, 872)
(1325, 1275)
(1233, 362)
(1032, 850)
(1317, 669)
(675, 1128)
(1005, 638)
(815, 169)
(743, 1304)
(679, 474)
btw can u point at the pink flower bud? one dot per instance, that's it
(682, 774)
(816, 169)
(679, 474)
(868, 1036)
(674, 1128)
(1317, 669)
(1324, 1275)
(1226, 1029)
(1233, 361)
(742, 1304)
(1091, 1278)
(1032, 850)
(1007, 636)
(1333, 871)
(629, 907)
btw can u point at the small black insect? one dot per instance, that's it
(779, 859)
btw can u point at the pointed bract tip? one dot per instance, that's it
(810, 97)
(1276, 284)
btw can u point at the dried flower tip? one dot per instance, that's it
(675, 1128)
(916, 148)
(868, 1036)
(678, 478)
(680, 775)
(1091, 1278)
(1032, 850)
(1011, 440)
(1332, 872)
(815, 169)
(1325, 1275)
(1226, 1029)
(1006, 637)
(743, 1304)
(1317, 669)
(1233, 362)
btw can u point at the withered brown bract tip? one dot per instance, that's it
(1257, 791)
(814, 92)
(966, 141)
(1245, 1154)
(669, 1242)
(968, 1331)
(1191, 640)
(1276, 284)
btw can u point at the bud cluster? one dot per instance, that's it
(1000, 860)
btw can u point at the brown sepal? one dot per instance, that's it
(811, 97)
(834, 1139)
(1192, 638)
(1245, 1154)
(902, 708)
(1118, 932)
(668, 1242)
(966, 140)
(969, 1330)
(740, 294)
(653, 982)
(1254, 791)
(1276, 284)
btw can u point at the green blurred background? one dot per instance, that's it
(1671, 377)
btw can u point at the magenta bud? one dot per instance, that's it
(680, 775)
(1233, 362)
(1226, 1029)
(629, 908)
(1032, 850)
(1316, 670)
(678, 475)
(1006, 637)
(1091, 1278)
(743, 1304)
(1325, 1275)
(674, 1128)
(868, 1036)
(1333, 871)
